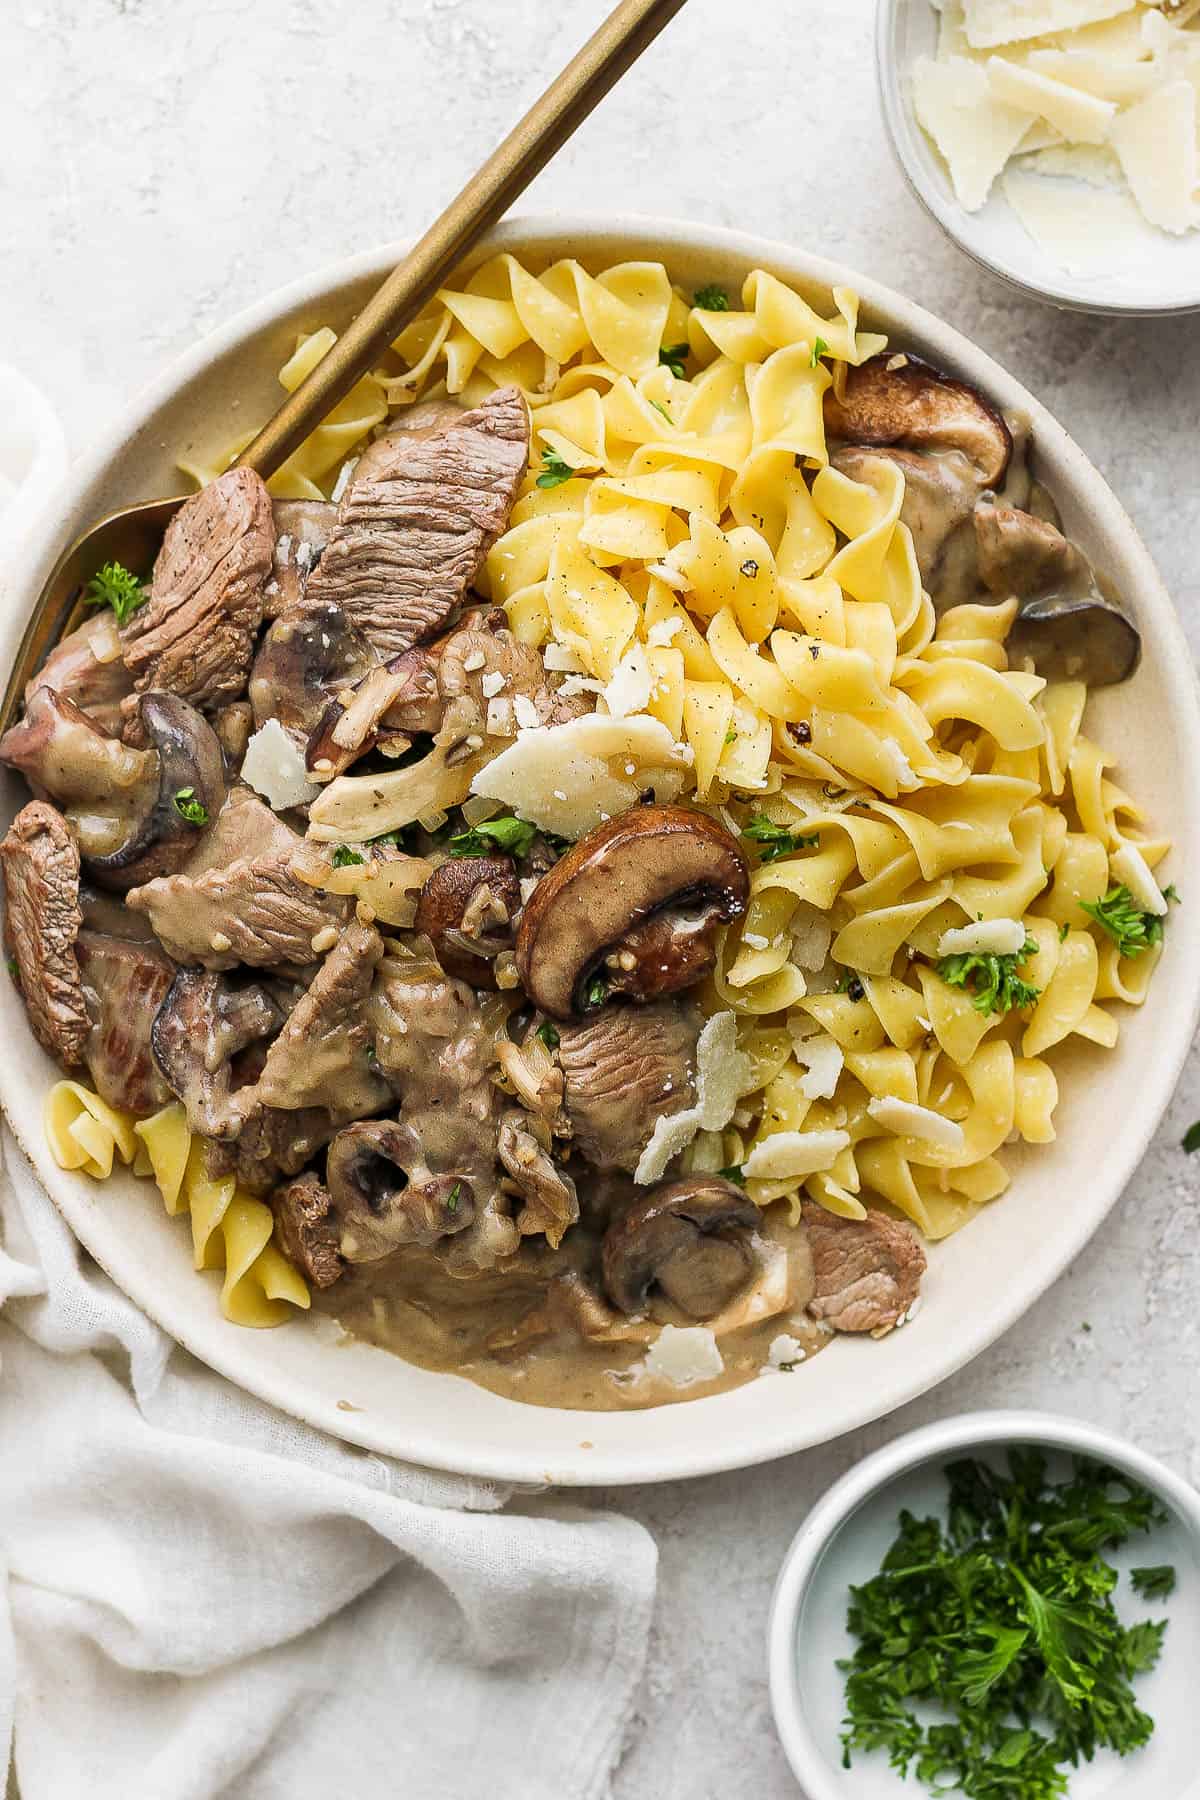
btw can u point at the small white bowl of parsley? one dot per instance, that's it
(1002, 1606)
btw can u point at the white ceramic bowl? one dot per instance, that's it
(843, 1540)
(979, 1283)
(1147, 272)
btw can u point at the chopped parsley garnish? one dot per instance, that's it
(513, 836)
(13, 969)
(453, 1197)
(1003, 1619)
(849, 983)
(548, 1034)
(1156, 1583)
(596, 992)
(659, 407)
(774, 840)
(731, 736)
(554, 470)
(345, 858)
(991, 981)
(674, 358)
(118, 587)
(1130, 929)
(1191, 1138)
(711, 299)
(189, 808)
(734, 1173)
(820, 348)
(372, 1056)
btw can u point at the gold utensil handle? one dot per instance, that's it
(486, 198)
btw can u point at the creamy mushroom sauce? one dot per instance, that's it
(412, 1306)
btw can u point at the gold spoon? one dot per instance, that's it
(133, 536)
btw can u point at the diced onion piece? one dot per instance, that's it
(984, 937)
(784, 1350)
(907, 1120)
(274, 767)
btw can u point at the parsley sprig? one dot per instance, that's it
(992, 981)
(189, 808)
(512, 836)
(346, 858)
(116, 586)
(554, 470)
(674, 357)
(820, 348)
(774, 840)
(1131, 930)
(712, 298)
(1004, 1618)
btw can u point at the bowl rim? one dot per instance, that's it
(964, 1432)
(727, 1443)
(944, 209)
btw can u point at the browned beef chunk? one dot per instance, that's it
(868, 1271)
(41, 877)
(124, 984)
(302, 530)
(87, 668)
(249, 908)
(307, 1230)
(623, 1070)
(272, 1145)
(1023, 555)
(323, 1055)
(206, 1039)
(417, 520)
(253, 912)
(196, 635)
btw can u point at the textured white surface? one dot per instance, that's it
(161, 164)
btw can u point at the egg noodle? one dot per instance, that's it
(683, 549)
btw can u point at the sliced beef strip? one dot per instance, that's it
(623, 1070)
(87, 668)
(272, 1145)
(124, 984)
(306, 1229)
(196, 635)
(43, 920)
(867, 1271)
(251, 909)
(323, 1056)
(419, 516)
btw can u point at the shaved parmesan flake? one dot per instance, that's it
(629, 690)
(723, 1074)
(562, 660)
(1156, 142)
(1076, 230)
(683, 1354)
(568, 778)
(785, 1350)
(907, 1120)
(1104, 76)
(1130, 867)
(660, 635)
(793, 1155)
(992, 22)
(1079, 116)
(975, 133)
(1093, 164)
(274, 767)
(821, 1057)
(986, 937)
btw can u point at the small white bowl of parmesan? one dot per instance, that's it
(1056, 141)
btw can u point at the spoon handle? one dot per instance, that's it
(629, 30)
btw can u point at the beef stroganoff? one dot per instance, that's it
(587, 874)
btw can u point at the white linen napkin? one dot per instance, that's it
(201, 1599)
